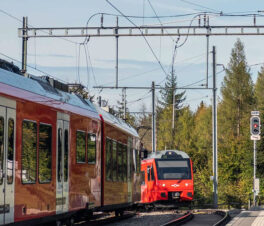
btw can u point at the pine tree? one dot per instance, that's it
(259, 95)
(167, 93)
(234, 156)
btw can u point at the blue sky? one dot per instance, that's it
(138, 66)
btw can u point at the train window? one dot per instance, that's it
(66, 154)
(108, 159)
(142, 177)
(152, 173)
(119, 162)
(80, 147)
(1, 148)
(125, 163)
(45, 153)
(29, 152)
(59, 173)
(91, 154)
(10, 155)
(169, 169)
(114, 161)
(148, 172)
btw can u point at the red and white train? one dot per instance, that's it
(59, 155)
(167, 178)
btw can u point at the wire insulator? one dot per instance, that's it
(102, 20)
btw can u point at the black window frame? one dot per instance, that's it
(114, 161)
(38, 155)
(36, 159)
(3, 149)
(59, 147)
(13, 150)
(66, 163)
(184, 159)
(152, 173)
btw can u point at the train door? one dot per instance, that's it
(62, 163)
(151, 178)
(7, 159)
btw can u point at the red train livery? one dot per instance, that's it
(167, 178)
(59, 156)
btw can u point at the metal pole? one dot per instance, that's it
(173, 109)
(124, 102)
(254, 176)
(207, 59)
(116, 32)
(24, 45)
(215, 157)
(153, 118)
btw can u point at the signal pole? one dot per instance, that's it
(255, 135)
(215, 158)
(254, 175)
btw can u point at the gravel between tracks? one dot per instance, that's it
(155, 218)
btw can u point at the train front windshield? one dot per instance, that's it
(169, 169)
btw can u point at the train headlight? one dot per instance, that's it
(163, 185)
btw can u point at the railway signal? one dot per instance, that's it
(255, 127)
(255, 135)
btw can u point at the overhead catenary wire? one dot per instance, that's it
(154, 54)
(199, 5)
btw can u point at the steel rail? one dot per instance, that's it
(181, 220)
(226, 218)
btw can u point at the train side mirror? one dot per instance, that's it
(194, 170)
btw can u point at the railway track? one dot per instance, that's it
(202, 217)
(158, 218)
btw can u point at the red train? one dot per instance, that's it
(59, 155)
(167, 178)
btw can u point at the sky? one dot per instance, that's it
(94, 64)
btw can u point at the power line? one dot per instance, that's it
(34, 68)
(19, 20)
(142, 36)
(201, 6)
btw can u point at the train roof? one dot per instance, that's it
(41, 86)
(117, 122)
(169, 154)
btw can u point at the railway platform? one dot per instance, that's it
(253, 217)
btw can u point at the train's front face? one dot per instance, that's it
(174, 179)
